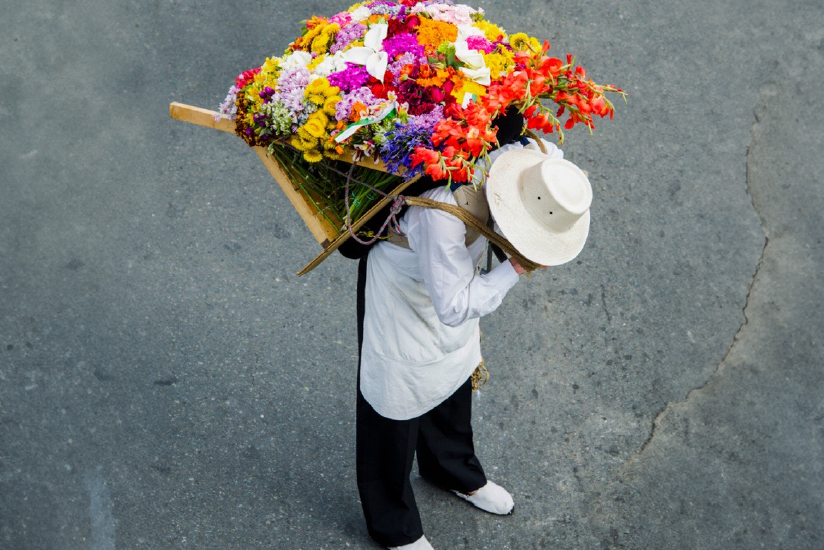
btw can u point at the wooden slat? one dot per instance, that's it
(201, 117)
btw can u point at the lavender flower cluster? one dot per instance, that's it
(291, 85)
(346, 36)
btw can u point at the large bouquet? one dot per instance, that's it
(414, 83)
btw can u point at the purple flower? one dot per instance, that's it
(291, 85)
(353, 78)
(402, 140)
(347, 35)
(401, 43)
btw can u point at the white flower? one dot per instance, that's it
(297, 60)
(465, 31)
(360, 14)
(331, 64)
(371, 54)
(475, 68)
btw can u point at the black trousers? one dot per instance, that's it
(442, 439)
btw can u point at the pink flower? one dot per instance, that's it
(480, 43)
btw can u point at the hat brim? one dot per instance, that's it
(536, 242)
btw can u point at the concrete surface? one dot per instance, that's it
(167, 382)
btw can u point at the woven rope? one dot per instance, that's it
(538, 140)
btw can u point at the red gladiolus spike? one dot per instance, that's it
(538, 121)
(436, 172)
(424, 155)
(537, 86)
(599, 105)
(474, 146)
(552, 66)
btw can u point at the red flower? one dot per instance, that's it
(246, 77)
(551, 66)
(424, 155)
(599, 106)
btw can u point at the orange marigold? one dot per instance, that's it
(433, 33)
(433, 78)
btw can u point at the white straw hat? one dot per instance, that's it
(541, 205)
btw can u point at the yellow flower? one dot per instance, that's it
(317, 86)
(303, 134)
(492, 32)
(313, 155)
(271, 65)
(318, 90)
(316, 125)
(320, 44)
(329, 106)
(315, 27)
(468, 87)
(305, 144)
(521, 42)
(498, 64)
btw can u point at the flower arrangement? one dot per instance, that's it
(414, 83)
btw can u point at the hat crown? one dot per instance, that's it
(556, 193)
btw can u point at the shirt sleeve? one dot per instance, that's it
(458, 293)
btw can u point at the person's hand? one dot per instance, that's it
(518, 269)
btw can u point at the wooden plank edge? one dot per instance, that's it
(201, 117)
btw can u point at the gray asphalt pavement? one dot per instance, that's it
(166, 381)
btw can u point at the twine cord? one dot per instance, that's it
(391, 219)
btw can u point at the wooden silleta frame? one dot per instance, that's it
(327, 234)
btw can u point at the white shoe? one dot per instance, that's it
(420, 544)
(491, 498)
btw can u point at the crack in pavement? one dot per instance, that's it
(737, 336)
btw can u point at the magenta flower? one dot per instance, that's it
(353, 78)
(402, 43)
(480, 43)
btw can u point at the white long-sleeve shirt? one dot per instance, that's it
(421, 337)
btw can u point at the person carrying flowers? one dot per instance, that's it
(431, 89)
(419, 304)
